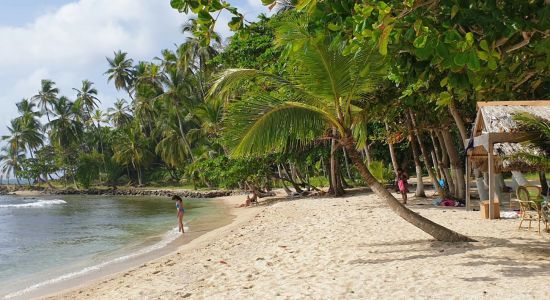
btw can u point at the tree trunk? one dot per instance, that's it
(336, 183)
(285, 187)
(294, 184)
(435, 230)
(347, 164)
(439, 166)
(459, 123)
(180, 126)
(435, 182)
(367, 155)
(417, 166)
(456, 166)
(543, 183)
(482, 188)
(392, 154)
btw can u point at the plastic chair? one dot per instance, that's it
(530, 210)
(545, 211)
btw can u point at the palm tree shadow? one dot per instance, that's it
(535, 251)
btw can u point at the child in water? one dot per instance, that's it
(181, 211)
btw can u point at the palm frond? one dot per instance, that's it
(230, 79)
(265, 124)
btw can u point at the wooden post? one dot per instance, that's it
(491, 167)
(468, 204)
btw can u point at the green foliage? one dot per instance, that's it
(381, 172)
(88, 169)
(540, 144)
(229, 173)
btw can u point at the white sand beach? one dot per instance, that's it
(338, 248)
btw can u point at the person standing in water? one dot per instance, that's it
(402, 178)
(181, 211)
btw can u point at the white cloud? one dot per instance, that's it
(70, 44)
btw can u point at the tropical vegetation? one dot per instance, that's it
(321, 93)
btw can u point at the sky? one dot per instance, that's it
(67, 41)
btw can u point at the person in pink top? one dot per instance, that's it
(402, 178)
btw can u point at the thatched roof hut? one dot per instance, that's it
(496, 137)
(494, 122)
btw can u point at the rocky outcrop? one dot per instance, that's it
(143, 192)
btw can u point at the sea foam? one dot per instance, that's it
(37, 203)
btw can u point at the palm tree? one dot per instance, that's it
(192, 54)
(29, 117)
(10, 162)
(119, 114)
(175, 101)
(30, 126)
(97, 118)
(65, 128)
(86, 97)
(46, 97)
(172, 148)
(132, 149)
(121, 71)
(323, 99)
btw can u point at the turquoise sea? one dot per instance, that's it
(46, 240)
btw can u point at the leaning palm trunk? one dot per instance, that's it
(437, 231)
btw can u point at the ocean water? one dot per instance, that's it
(46, 240)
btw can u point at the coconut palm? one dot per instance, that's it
(10, 161)
(132, 149)
(86, 97)
(175, 101)
(46, 97)
(98, 117)
(30, 126)
(172, 148)
(121, 71)
(65, 128)
(28, 116)
(192, 54)
(321, 99)
(119, 115)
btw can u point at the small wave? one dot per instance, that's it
(39, 203)
(169, 237)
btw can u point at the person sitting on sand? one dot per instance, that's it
(249, 200)
(402, 178)
(181, 211)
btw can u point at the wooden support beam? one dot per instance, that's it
(511, 137)
(468, 204)
(515, 103)
(491, 180)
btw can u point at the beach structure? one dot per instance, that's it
(495, 137)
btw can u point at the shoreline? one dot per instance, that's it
(348, 247)
(189, 242)
(122, 259)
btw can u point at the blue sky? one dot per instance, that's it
(67, 41)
